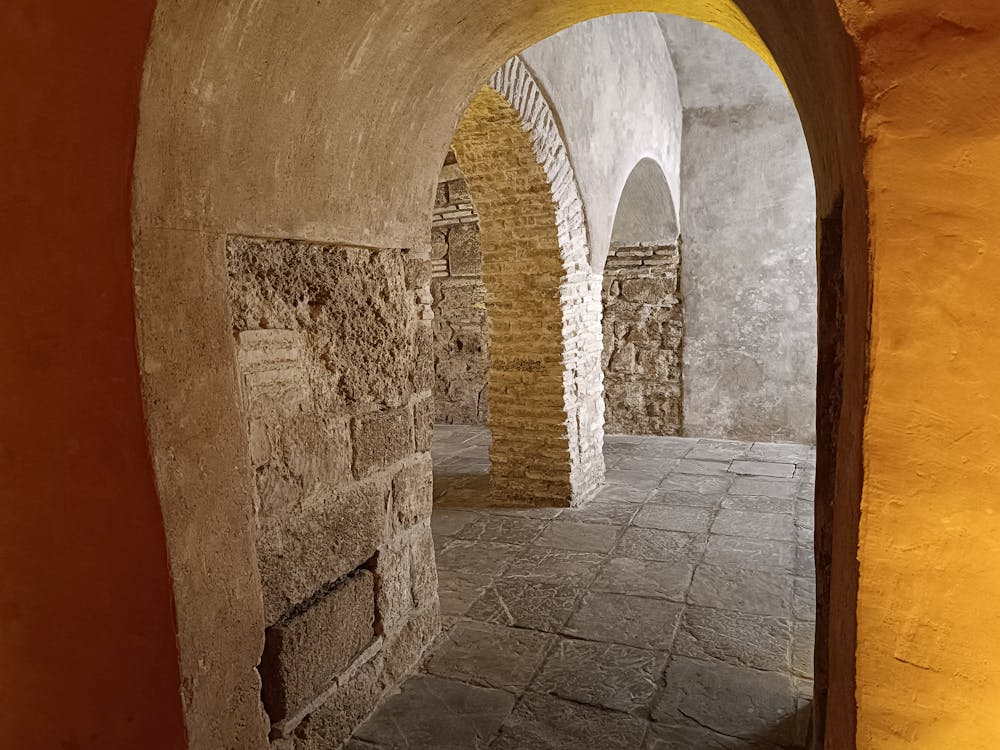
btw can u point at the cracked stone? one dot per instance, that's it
(555, 566)
(617, 513)
(741, 639)
(750, 553)
(457, 591)
(490, 655)
(768, 487)
(803, 646)
(779, 526)
(526, 604)
(758, 592)
(666, 546)
(804, 598)
(603, 674)
(503, 529)
(483, 558)
(578, 537)
(763, 469)
(629, 620)
(446, 522)
(624, 575)
(702, 485)
(542, 722)
(674, 518)
(429, 713)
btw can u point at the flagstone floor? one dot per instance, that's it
(675, 611)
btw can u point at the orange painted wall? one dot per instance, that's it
(87, 647)
(929, 602)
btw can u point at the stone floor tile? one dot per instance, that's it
(703, 485)
(763, 469)
(767, 486)
(544, 514)
(614, 493)
(719, 450)
(647, 464)
(806, 474)
(803, 646)
(504, 529)
(805, 513)
(578, 537)
(464, 498)
(616, 513)
(541, 722)
(804, 598)
(750, 553)
(625, 575)
(640, 479)
(704, 467)
(429, 713)
(687, 499)
(734, 701)
(758, 504)
(628, 620)
(759, 592)
(748, 523)
(490, 655)
(666, 546)
(526, 604)
(448, 522)
(483, 558)
(601, 674)
(661, 737)
(555, 566)
(457, 591)
(674, 518)
(788, 453)
(744, 640)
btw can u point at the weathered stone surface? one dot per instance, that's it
(490, 655)
(412, 494)
(305, 653)
(465, 254)
(703, 467)
(515, 602)
(780, 488)
(750, 553)
(736, 638)
(323, 541)
(423, 424)
(703, 485)
(624, 575)
(690, 499)
(545, 722)
(662, 737)
(579, 537)
(804, 598)
(484, 558)
(674, 518)
(448, 521)
(803, 644)
(629, 620)
(667, 546)
(429, 712)
(554, 566)
(747, 523)
(719, 450)
(602, 674)
(615, 512)
(763, 469)
(458, 591)
(504, 529)
(734, 701)
(640, 479)
(381, 439)
(763, 592)
(758, 503)
(332, 723)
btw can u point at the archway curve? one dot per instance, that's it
(547, 427)
(647, 211)
(339, 179)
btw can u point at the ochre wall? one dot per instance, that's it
(929, 599)
(86, 615)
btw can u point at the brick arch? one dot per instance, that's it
(543, 299)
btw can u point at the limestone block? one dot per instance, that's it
(322, 541)
(439, 244)
(417, 271)
(405, 646)
(653, 291)
(423, 569)
(465, 253)
(380, 439)
(423, 347)
(304, 654)
(423, 424)
(458, 191)
(412, 493)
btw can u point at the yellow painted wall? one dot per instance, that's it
(929, 603)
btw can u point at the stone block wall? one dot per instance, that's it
(461, 339)
(335, 365)
(643, 336)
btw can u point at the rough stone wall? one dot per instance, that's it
(334, 359)
(643, 334)
(543, 301)
(461, 341)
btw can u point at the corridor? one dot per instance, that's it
(673, 611)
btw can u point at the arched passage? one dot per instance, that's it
(544, 383)
(643, 317)
(345, 193)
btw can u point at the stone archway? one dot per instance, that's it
(643, 316)
(544, 382)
